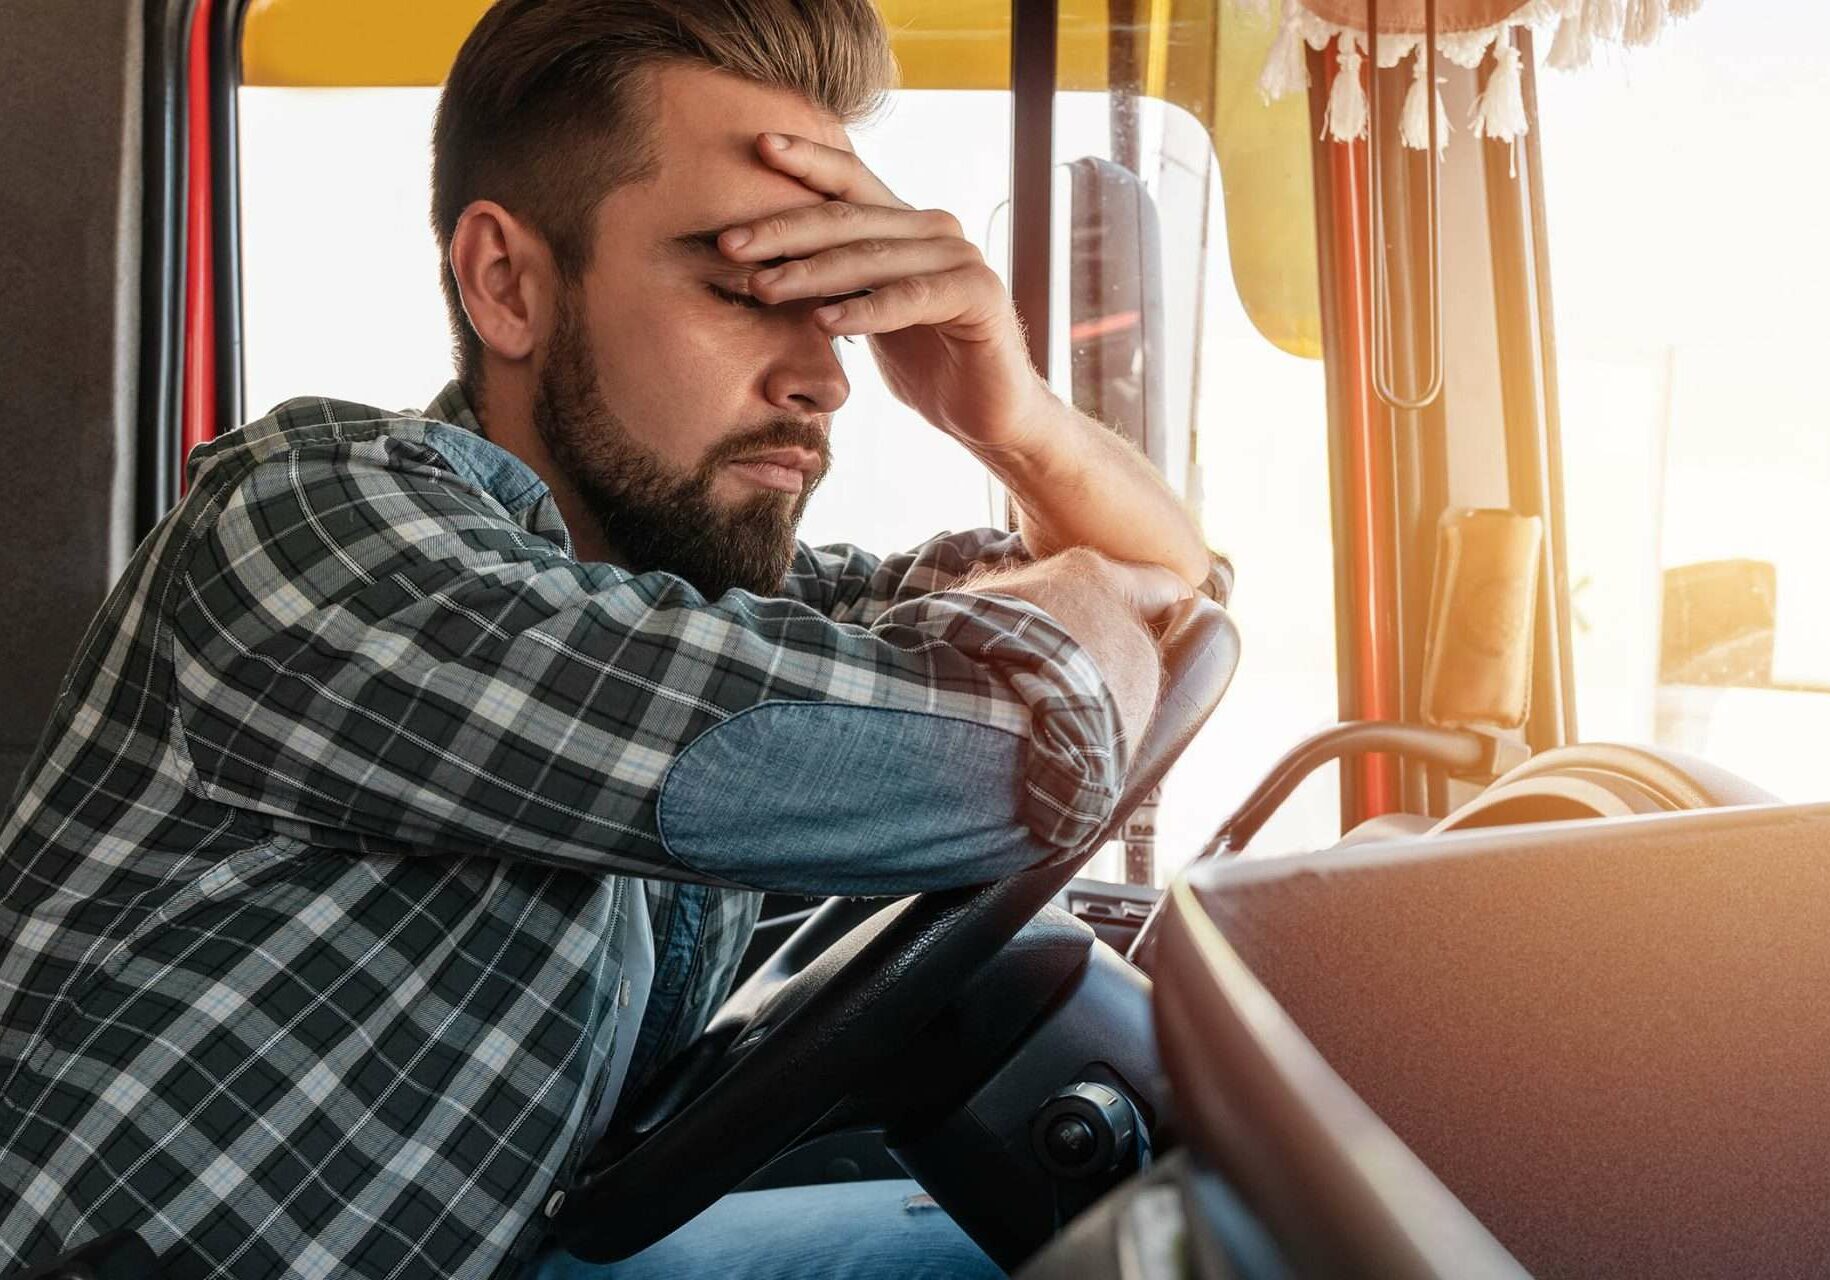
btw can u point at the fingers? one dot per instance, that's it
(1151, 589)
(865, 264)
(831, 171)
(963, 296)
(795, 233)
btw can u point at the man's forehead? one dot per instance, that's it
(708, 174)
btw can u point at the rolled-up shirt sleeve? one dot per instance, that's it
(370, 654)
(849, 584)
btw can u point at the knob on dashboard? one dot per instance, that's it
(1084, 1130)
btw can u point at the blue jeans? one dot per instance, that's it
(842, 1231)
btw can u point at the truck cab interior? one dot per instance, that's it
(1464, 911)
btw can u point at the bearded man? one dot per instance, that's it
(407, 802)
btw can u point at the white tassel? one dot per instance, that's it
(1285, 69)
(1604, 19)
(1346, 118)
(1500, 111)
(1682, 8)
(1569, 8)
(1572, 48)
(1467, 48)
(1256, 8)
(1414, 125)
(1644, 20)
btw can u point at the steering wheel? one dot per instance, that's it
(851, 1009)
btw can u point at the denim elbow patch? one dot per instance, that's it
(831, 798)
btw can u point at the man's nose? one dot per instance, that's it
(807, 377)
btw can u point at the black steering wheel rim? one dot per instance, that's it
(892, 974)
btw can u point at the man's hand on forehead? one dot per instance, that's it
(949, 345)
(940, 321)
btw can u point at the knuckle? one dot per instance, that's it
(841, 212)
(984, 276)
(945, 224)
(777, 224)
(918, 290)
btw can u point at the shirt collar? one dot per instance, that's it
(453, 406)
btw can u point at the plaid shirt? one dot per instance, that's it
(313, 899)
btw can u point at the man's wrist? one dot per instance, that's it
(1043, 446)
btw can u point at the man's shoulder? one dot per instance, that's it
(399, 437)
(299, 423)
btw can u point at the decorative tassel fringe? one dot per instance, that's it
(1467, 48)
(1500, 111)
(1644, 20)
(1285, 70)
(1572, 49)
(1346, 118)
(1318, 32)
(1582, 26)
(1604, 19)
(1394, 49)
(1414, 125)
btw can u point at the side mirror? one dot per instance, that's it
(1115, 313)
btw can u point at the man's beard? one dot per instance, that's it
(651, 515)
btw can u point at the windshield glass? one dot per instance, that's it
(1690, 268)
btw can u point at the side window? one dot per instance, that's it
(1696, 435)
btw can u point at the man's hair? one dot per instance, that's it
(548, 106)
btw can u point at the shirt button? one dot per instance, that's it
(554, 1203)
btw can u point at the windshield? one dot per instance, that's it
(1690, 271)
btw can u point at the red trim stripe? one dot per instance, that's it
(199, 277)
(1369, 499)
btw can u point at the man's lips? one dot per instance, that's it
(788, 470)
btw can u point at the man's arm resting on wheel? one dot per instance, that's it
(1106, 606)
(371, 656)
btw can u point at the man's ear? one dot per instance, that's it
(505, 276)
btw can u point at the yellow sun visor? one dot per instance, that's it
(1200, 55)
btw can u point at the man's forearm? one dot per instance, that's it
(1081, 485)
(1086, 594)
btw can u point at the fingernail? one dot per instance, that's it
(830, 315)
(765, 277)
(776, 141)
(735, 238)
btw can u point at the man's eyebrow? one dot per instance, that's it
(697, 241)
